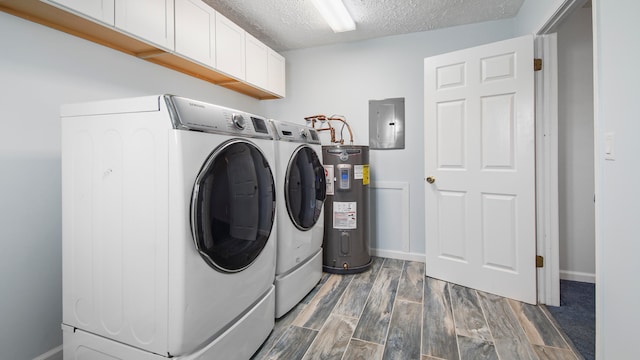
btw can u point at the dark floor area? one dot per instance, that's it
(576, 315)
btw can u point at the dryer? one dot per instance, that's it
(169, 221)
(301, 191)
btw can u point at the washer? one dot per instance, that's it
(301, 191)
(169, 221)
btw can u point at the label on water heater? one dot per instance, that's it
(328, 174)
(357, 172)
(345, 215)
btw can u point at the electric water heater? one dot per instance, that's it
(346, 209)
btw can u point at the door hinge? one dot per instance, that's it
(537, 64)
(539, 261)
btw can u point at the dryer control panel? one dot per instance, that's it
(188, 114)
(293, 132)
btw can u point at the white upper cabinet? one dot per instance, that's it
(195, 31)
(101, 10)
(257, 55)
(265, 68)
(230, 51)
(276, 74)
(184, 35)
(149, 20)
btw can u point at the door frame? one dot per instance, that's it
(547, 238)
(547, 211)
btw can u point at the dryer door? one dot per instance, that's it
(304, 188)
(233, 206)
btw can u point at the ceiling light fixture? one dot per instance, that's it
(335, 13)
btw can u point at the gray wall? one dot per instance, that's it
(575, 148)
(40, 69)
(616, 53)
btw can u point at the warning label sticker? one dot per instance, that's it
(365, 174)
(345, 215)
(361, 172)
(328, 173)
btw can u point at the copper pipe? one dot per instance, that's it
(331, 129)
(316, 117)
(322, 118)
(348, 128)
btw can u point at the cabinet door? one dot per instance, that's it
(148, 20)
(230, 52)
(195, 31)
(101, 10)
(276, 73)
(257, 55)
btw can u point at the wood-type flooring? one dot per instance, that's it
(393, 311)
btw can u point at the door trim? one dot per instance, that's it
(548, 240)
(547, 224)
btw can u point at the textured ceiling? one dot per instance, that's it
(295, 24)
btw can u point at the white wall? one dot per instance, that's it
(341, 79)
(40, 69)
(616, 53)
(575, 148)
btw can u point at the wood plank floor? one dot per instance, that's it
(394, 312)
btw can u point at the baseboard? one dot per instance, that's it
(400, 255)
(577, 276)
(53, 354)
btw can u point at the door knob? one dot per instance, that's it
(431, 179)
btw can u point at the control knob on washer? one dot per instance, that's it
(238, 121)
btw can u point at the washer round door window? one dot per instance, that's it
(233, 206)
(305, 188)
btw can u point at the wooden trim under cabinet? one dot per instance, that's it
(53, 17)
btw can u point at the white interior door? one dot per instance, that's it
(480, 152)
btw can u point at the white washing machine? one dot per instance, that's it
(301, 191)
(168, 212)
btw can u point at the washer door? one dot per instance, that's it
(305, 189)
(233, 206)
